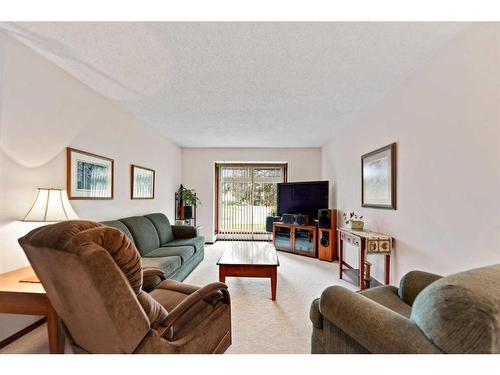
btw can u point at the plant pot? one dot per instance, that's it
(357, 224)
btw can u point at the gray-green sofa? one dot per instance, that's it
(428, 313)
(174, 249)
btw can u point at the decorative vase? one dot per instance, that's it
(357, 224)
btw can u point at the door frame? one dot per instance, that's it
(283, 165)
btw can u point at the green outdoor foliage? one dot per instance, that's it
(264, 194)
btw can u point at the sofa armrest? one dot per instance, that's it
(151, 277)
(375, 327)
(184, 231)
(413, 283)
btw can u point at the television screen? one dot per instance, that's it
(302, 198)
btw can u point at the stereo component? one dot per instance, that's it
(324, 240)
(327, 247)
(269, 222)
(301, 219)
(325, 218)
(288, 218)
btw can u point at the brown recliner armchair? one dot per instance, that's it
(93, 276)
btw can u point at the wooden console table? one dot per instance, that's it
(29, 298)
(367, 243)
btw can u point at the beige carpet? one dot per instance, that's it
(259, 324)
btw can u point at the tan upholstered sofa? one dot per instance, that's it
(93, 277)
(428, 313)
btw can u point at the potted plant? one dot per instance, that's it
(355, 220)
(189, 200)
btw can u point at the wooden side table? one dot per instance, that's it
(367, 243)
(29, 298)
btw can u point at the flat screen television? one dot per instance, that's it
(302, 198)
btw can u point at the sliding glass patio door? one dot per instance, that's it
(246, 196)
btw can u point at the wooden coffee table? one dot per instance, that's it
(250, 260)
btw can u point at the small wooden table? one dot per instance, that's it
(250, 259)
(367, 243)
(29, 298)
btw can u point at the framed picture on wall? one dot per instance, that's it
(378, 178)
(88, 176)
(142, 185)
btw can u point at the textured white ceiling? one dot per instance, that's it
(240, 84)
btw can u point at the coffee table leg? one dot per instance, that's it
(274, 277)
(222, 274)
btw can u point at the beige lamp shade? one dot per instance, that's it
(51, 205)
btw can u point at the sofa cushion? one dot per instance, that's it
(144, 233)
(167, 264)
(119, 225)
(460, 313)
(388, 297)
(185, 252)
(196, 242)
(162, 226)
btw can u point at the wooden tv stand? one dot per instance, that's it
(297, 239)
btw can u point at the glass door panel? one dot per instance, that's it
(304, 240)
(283, 238)
(247, 195)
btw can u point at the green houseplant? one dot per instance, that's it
(189, 197)
(189, 200)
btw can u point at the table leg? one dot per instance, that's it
(387, 268)
(361, 266)
(341, 248)
(274, 277)
(222, 274)
(56, 336)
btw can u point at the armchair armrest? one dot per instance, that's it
(315, 315)
(191, 300)
(151, 277)
(375, 327)
(413, 283)
(183, 231)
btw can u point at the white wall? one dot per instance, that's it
(198, 172)
(446, 121)
(42, 111)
